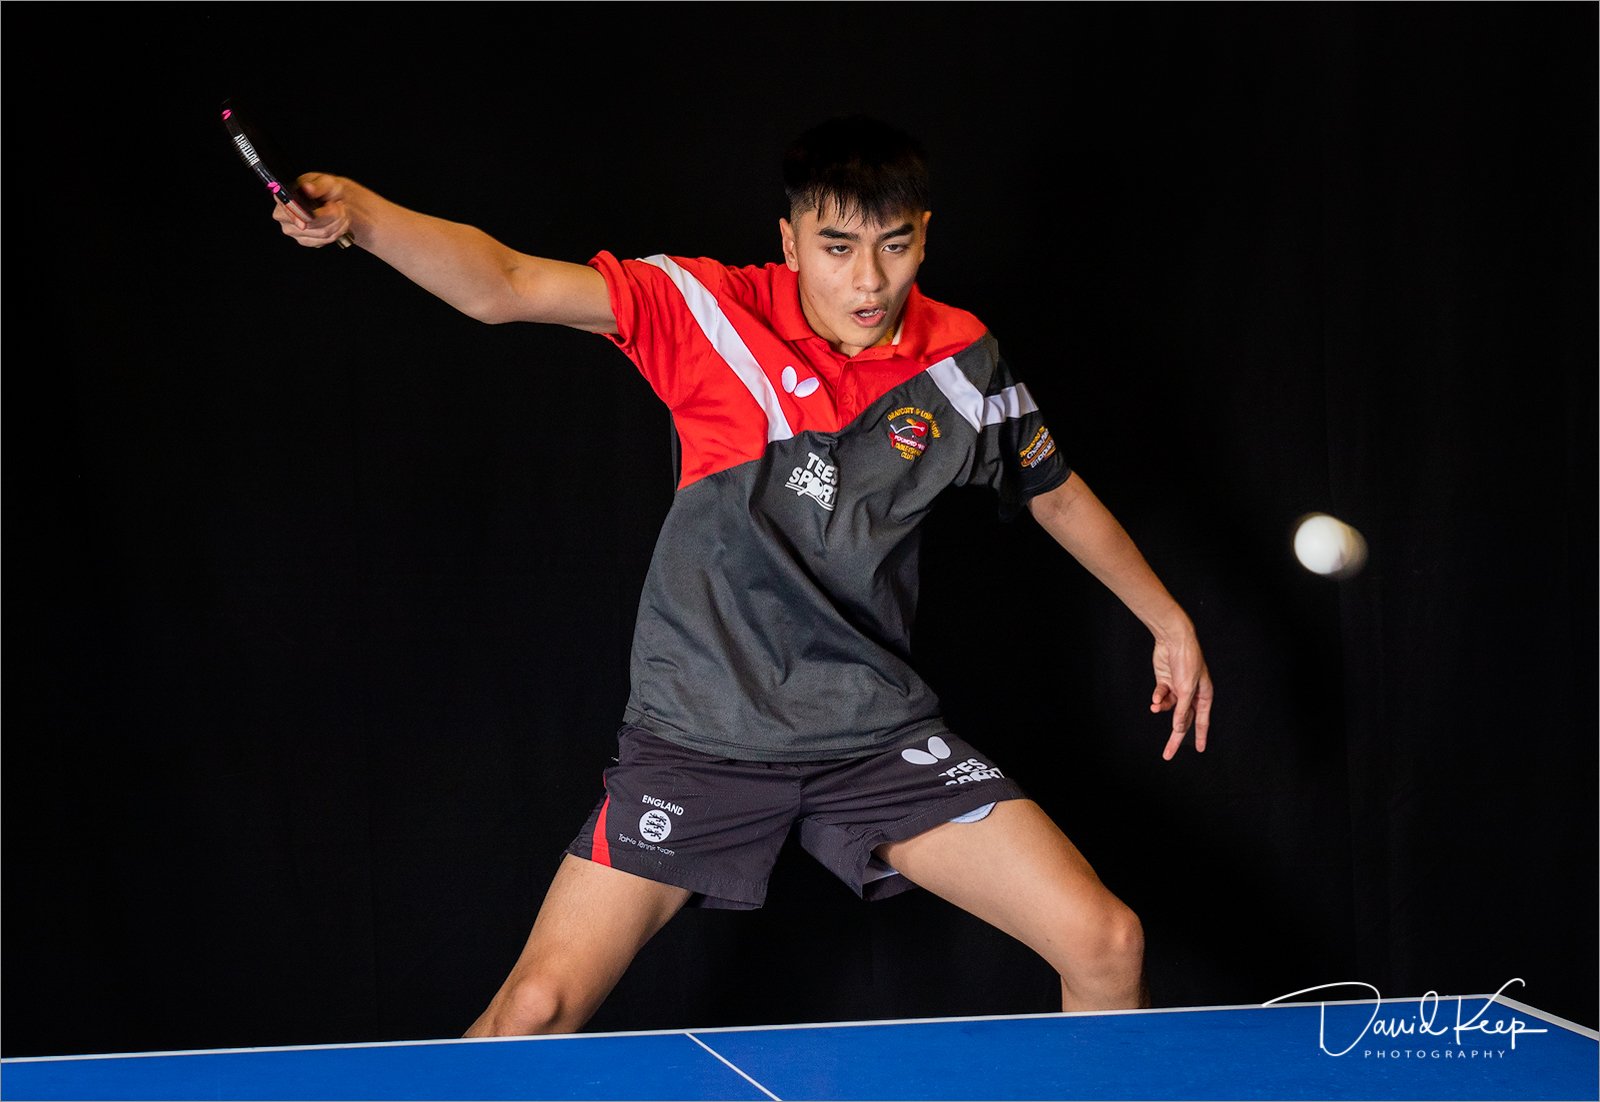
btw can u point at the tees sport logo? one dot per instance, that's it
(817, 479)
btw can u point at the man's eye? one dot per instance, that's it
(838, 250)
(896, 247)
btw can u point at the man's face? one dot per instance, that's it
(855, 275)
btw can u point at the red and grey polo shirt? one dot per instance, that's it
(775, 621)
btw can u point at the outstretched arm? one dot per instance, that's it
(459, 263)
(1079, 522)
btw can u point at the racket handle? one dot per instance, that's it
(345, 240)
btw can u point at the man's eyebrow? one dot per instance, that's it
(841, 235)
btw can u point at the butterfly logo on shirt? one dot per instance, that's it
(794, 384)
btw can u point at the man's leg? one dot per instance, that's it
(1016, 870)
(593, 922)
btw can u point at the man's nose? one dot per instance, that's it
(868, 273)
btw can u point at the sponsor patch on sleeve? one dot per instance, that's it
(1040, 448)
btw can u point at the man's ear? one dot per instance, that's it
(927, 216)
(786, 232)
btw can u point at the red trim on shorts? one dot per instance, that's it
(599, 847)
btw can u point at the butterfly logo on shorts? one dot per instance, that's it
(936, 752)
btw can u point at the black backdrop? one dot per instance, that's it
(317, 595)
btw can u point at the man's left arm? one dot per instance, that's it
(1079, 522)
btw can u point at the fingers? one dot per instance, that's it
(1161, 699)
(286, 215)
(325, 220)
(1181, 716)
(318, 186)
(1202, 711)
(1173, 743)
(297, 214)
(1192, 707)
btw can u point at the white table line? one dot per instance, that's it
(734, 1066)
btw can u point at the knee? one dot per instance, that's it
(529, 1005)
(1124, 937)
(1106, 969)
(1114, 947)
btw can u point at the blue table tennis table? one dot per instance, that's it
(1457, 1047)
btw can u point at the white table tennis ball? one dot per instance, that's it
(1327, 545)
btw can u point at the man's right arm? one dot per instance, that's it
(459, 263)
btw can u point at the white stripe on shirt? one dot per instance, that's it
(969, 402)
(727, 343)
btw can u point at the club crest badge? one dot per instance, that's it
(911, 430)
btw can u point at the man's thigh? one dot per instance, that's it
(593, 922)
(595, 919)
(853, 808)
(1014, 869)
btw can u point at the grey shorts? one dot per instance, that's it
(715, 826)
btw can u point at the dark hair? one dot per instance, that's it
(860, 164)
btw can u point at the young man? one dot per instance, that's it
(822, 404)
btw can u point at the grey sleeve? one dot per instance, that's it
(1016, 454)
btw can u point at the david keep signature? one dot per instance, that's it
(1422, 1023)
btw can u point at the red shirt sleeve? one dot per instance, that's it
(653, 328)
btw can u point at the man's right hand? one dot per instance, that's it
(328, 216)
